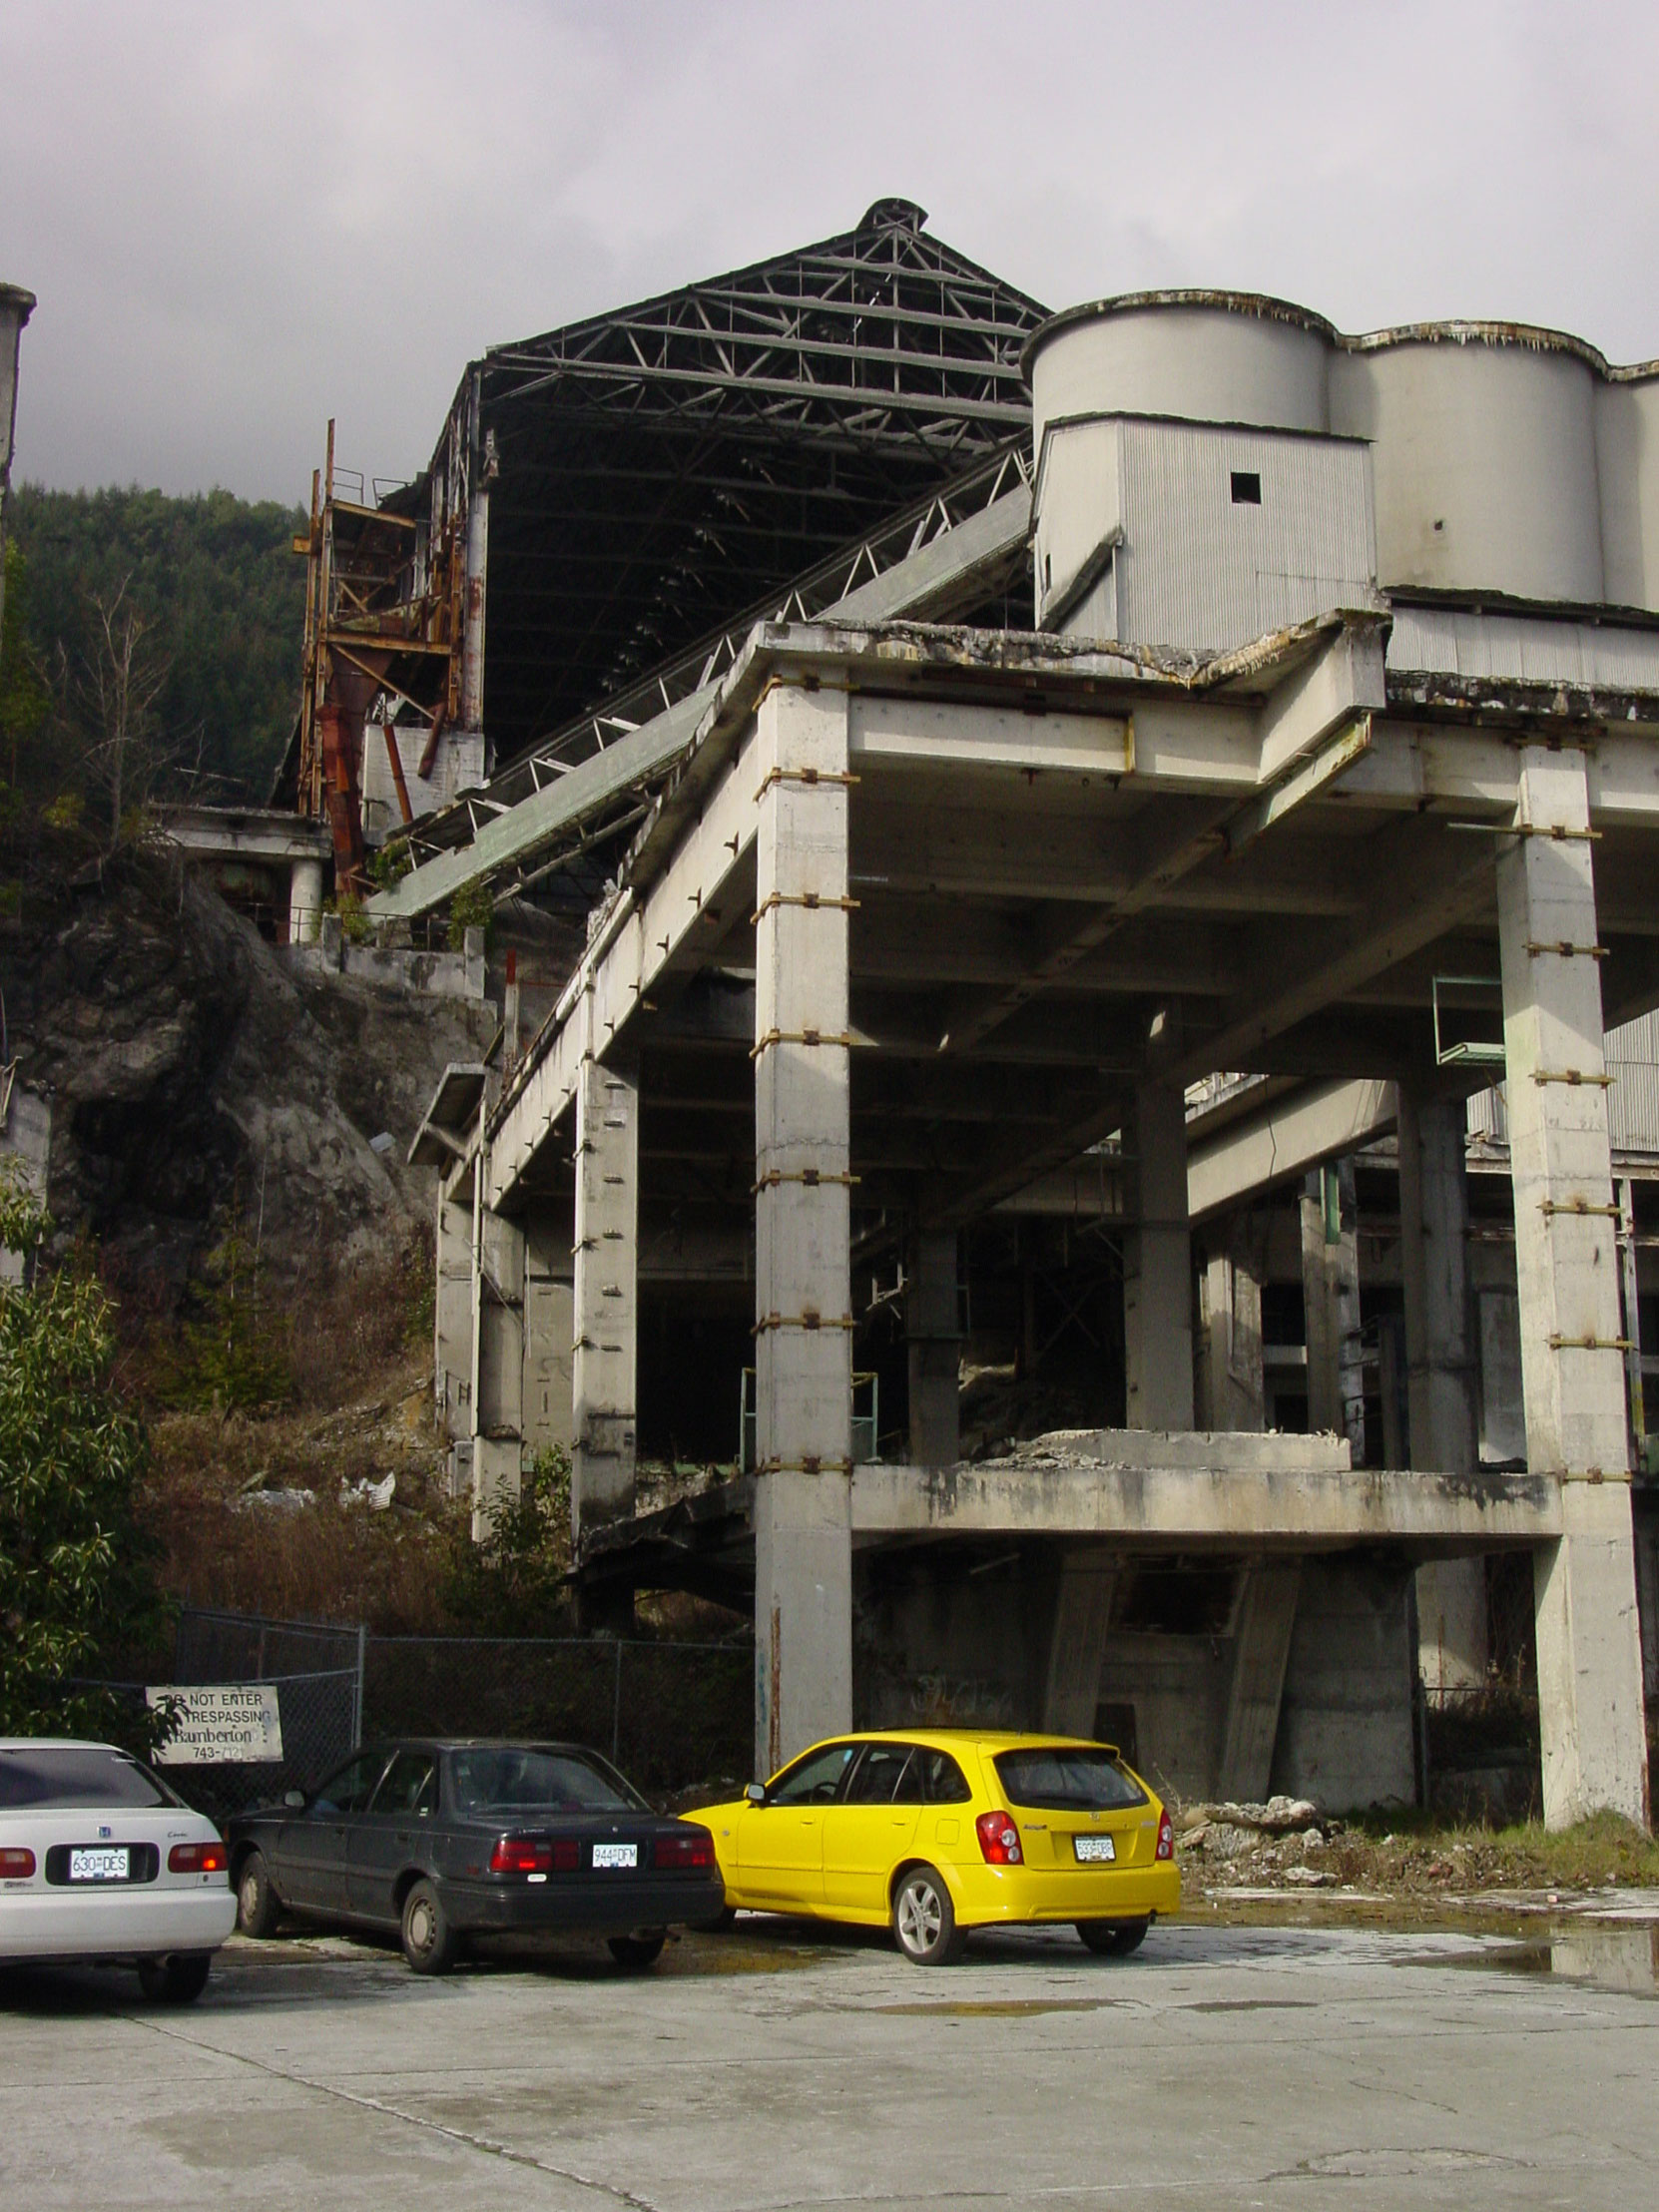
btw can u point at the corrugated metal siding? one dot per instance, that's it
(1198, 570)
(1525, 649)
(1632, 1103)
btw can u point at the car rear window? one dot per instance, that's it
(514, 1779)
(50, 1775)
(1057, 1780)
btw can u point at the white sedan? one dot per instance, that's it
(100, 1860)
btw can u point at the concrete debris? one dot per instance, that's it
(1278, 1817)
(282, 1500)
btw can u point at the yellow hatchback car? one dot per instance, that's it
(938, 1831)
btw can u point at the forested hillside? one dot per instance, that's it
(207, 594)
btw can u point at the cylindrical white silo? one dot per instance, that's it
(1484, 456)
(1627, 459)
(1201, 356)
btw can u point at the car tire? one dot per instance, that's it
(430, 1941)
(719, 1925)
(924, 1920)
(180, 1980)
(1113, 1938)
(257, 1911)
(633, 1954)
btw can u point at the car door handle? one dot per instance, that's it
(406, 1836)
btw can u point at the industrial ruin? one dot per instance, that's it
(1077, 927)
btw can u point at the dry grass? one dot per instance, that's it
(326, 1561)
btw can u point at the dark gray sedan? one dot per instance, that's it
(443, 1840)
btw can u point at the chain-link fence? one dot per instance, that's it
(316, 1671)
(670, 1713)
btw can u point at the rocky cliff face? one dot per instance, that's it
(195, 1080)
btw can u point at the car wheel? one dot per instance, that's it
(924, 1920)
(1113, 1938)
(633, 1954)
(180, 1980)
(256, 1909)
(430, 1941)
(721, 1922)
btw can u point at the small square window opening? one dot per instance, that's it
(1247, 488)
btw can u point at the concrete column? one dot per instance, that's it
(453, 1315)
(498, 1404)
(1231, 1390)
(1572, 1366)
(934, 1338)
(1083, 1615)
(1442, 1370)
(305, 902)
(1267, 1615)
(802, 1291)
(1157, 1263)
(606, 1291)
(1331, 1295)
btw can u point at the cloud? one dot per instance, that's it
(240, 221)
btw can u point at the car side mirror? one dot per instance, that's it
(756, 1793)
(294, 1800)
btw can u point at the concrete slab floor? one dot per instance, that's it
(1239, 2064)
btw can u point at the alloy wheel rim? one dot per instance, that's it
(919, 1916)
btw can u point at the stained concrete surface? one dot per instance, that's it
(1233, 2064)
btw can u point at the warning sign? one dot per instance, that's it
(221, 1723)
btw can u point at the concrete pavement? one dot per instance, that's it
(1238, 2065)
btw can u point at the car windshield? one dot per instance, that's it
(77, 1775)
(508, 1779)
(1060, 1780)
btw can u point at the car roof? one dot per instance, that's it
(949, 1736)
(60, 1743)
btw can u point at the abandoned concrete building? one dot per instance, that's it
(1081, 937)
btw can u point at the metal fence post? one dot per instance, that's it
(616, 1710)
(357, 1694)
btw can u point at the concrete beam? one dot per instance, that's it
(641, 937)
(1284, 1139)
(1330, 1298)
(1272, 1505)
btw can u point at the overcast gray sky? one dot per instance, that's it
(241, 218)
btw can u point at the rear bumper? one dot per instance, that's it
(987, 1896)
(117, 1923)
(587, 1905)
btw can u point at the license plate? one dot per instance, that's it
(98, 1865)
(1095, 1848)
(614, 1854)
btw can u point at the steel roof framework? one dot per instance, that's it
(663, 467)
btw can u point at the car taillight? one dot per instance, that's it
(999, 1839)
(1166, 1838)
(16, 1865)
(536, 1855)
(195, 1858)
(696, 1848)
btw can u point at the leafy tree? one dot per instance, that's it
(226, 1356)
(76, 1582)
